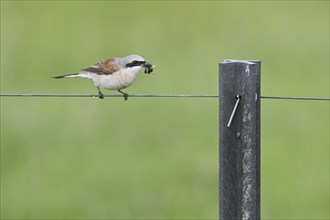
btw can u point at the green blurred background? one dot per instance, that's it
(158, 157)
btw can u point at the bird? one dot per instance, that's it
(113, 73)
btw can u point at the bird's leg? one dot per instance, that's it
(125, 94)
(101, 96)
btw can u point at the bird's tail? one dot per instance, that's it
(84, 75)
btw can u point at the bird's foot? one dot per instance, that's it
(101, 96)
(124, 94)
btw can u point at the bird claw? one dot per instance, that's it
(101, 96)
(125, 96)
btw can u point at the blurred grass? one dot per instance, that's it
(158, 158)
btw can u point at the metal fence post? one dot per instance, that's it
(239, 143)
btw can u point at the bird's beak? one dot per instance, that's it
(148, 67)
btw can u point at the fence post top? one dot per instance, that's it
(240, 61)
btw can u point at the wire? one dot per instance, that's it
(114, 95)
(159, 95)
(296, 98)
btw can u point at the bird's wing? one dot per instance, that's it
(105, 67)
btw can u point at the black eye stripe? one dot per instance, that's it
(135, 63)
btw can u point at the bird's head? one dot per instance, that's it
(136, 61)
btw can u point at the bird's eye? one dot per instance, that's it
(135, 63)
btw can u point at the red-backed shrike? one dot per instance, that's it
(114, 73)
